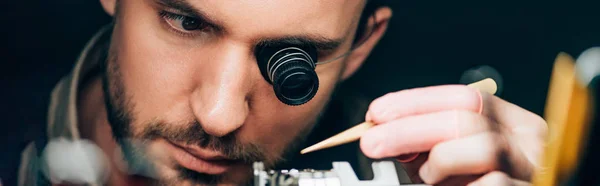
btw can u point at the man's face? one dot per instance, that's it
(183, 80)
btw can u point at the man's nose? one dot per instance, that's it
(220, 99)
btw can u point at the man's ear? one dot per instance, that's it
(109, 6)
(376, 27)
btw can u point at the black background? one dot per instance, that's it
(428, 43)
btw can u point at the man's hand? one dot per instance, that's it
(463, 136)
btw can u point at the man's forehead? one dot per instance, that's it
(330, 18)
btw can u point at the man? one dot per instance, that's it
(174, 84)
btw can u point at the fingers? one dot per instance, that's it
(472, 155)
(463, 128)
(422, 101)
(420, 133)
(452, 97)
(528, 128)
(497, 178)
(509, 114)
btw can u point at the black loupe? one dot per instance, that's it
(291, 71)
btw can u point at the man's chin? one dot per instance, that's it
(237, 175)
(158, 162)
(228, 178)
(181, 176)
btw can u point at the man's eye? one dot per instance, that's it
(183, 23)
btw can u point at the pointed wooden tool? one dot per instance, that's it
(487, 85)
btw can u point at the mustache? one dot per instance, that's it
(193, 134)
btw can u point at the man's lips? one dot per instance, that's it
(203, 153)
(201, 160)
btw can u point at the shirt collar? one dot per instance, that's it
(62, 112)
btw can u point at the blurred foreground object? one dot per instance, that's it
(480, 73)
(588, 66)
(74, 162)
(572, 123)
(588, 72)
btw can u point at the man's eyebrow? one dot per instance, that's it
(321, 43)
(186, 8)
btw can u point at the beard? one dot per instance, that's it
(120, 116)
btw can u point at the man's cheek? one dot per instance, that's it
(156, 84)
(152, 69)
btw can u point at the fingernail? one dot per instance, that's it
(480, 111)
(426, 174)
(407, 157)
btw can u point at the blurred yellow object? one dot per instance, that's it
(567, 115)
